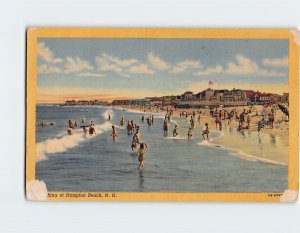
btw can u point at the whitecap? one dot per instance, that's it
(61, 143)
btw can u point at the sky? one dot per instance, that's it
(108, 69)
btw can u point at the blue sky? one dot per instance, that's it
(117, 68)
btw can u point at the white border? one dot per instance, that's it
(19, 215)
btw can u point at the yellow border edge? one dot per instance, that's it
(188, 33)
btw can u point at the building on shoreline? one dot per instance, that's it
(85, 102)
(205, 98)
(210, 97)
(229, 98)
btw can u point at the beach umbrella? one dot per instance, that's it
(206, 106)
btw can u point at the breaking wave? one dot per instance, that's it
(62, 143)
(107, 113)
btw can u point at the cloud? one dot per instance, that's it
(105, 64)
(46, 54)
(76, 64)
(246, 66)
(185, 65)
(46, 69)
(90, 74)
(141, 69)
(157, 62)
(118, 61)
(242, 66)
(210, 70)
(276, 62)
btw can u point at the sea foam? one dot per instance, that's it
(60, 143)
(239, 153)
(108, 112)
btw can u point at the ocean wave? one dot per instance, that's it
(220, 134)
(175, 138)
(106, 114)
(239, 153)
(142, 112)
(49, 105)
(62, 143)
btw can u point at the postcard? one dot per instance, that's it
(162, 114)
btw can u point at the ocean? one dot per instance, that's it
(97, 163)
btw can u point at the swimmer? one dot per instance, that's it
(165, 128)
(205, 131)
(129, 128)
(135, 139)
(43, 123)
(92, 130)
(69, 131)
(85, 131)
(114, 133)
(141, 152)
(175, 131)
(122, 122)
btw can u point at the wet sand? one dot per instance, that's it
(271, 144)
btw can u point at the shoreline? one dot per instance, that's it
(280, 132)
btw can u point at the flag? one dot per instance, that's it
(210, 83)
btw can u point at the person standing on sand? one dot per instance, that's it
(190, 135)
(143, 118)
(199, 118)
(192, 122)
(220, 125)
(152, 120)
(109, 117)
(241, 119)
(169, 118)
(205, 131)
(272, 119)
(141, 153)
(217, 121)
(248, 121)
(260, 125)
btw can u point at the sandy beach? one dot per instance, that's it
(279, 132)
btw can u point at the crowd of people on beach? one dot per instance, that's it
(219, 115)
